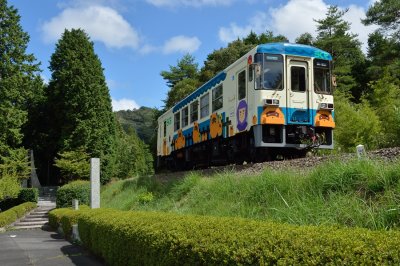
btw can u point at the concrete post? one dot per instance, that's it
(75, 204)
(360, 151)
(94, 183)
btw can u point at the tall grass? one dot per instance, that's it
(356, 193)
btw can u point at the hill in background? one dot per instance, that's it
(140, 119)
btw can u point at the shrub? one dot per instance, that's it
(28, 195)
(65, 217)
(9, 216)
(150, 238)
(79, 190)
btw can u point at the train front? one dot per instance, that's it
(293, 97)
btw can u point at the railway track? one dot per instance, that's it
(303, 164)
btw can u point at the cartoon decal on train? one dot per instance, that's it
(275, 100)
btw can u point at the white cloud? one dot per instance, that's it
(295, 18)
(182, 44)
(146, 49)
(103, 24)
(124, 104)
(194, 3)
(354, 16)
(256, 24)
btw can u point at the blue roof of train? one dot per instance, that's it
(293, 49)
(205, 87)
(272, 48)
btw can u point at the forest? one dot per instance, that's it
(70, 119)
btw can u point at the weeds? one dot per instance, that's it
(355, 193)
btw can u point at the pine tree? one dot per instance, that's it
(305, 38)
(79, 101)
(386, 14)
(185, 68)
(181, 79)
(335, 38)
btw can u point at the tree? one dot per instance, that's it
(19, 78)
(385, 98)
(182, 80)
(181, 89)
(386, 14)
(219, 59)
(335, 38)
(79, 102)
(185, 68)
(305, 38)
(19, 84)
(133, 155)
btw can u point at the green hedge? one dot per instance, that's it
(79, 190)
(11, 215)
(65, 217)
(145, 238)
(28, 195)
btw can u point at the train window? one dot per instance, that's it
(165, 128)
(185, 116)
(272, 66)
(298, 78)
(242, 85)
(194, 111)
(322, 81)
(177, 120)
(217, 100)
(204, 106)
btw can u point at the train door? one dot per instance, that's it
(298, 102)
(242, 108)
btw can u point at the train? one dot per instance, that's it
(276, 101)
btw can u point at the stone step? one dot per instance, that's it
(30, 223)
(33, 215)
(34, 219)
(40, 212)
(26, 227)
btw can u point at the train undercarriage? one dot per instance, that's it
(261, 143)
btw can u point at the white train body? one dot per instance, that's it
(276, 99)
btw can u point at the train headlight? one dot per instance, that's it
(326, 106)
(272, 102)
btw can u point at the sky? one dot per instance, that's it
(137, 39)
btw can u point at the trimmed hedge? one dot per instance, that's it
(28, 195)
(79, 190)
(65, 217)
(11, 215)
(145, 238)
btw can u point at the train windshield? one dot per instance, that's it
(322, 80)
(272, 71)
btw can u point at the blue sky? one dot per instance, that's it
(137, 39)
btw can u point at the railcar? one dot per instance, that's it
(276, 100)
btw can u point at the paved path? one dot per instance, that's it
(39, 247)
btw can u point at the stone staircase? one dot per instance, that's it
(39, 216)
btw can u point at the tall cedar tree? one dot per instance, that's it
(79, 101)
(19, 79)
(335, 38)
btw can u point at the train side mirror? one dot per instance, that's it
(334, 84)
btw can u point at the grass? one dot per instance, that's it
(356, 193)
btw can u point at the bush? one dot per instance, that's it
(145, 238)
(28, 195)
(79, 190)
(9, 216)
(66, 218)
